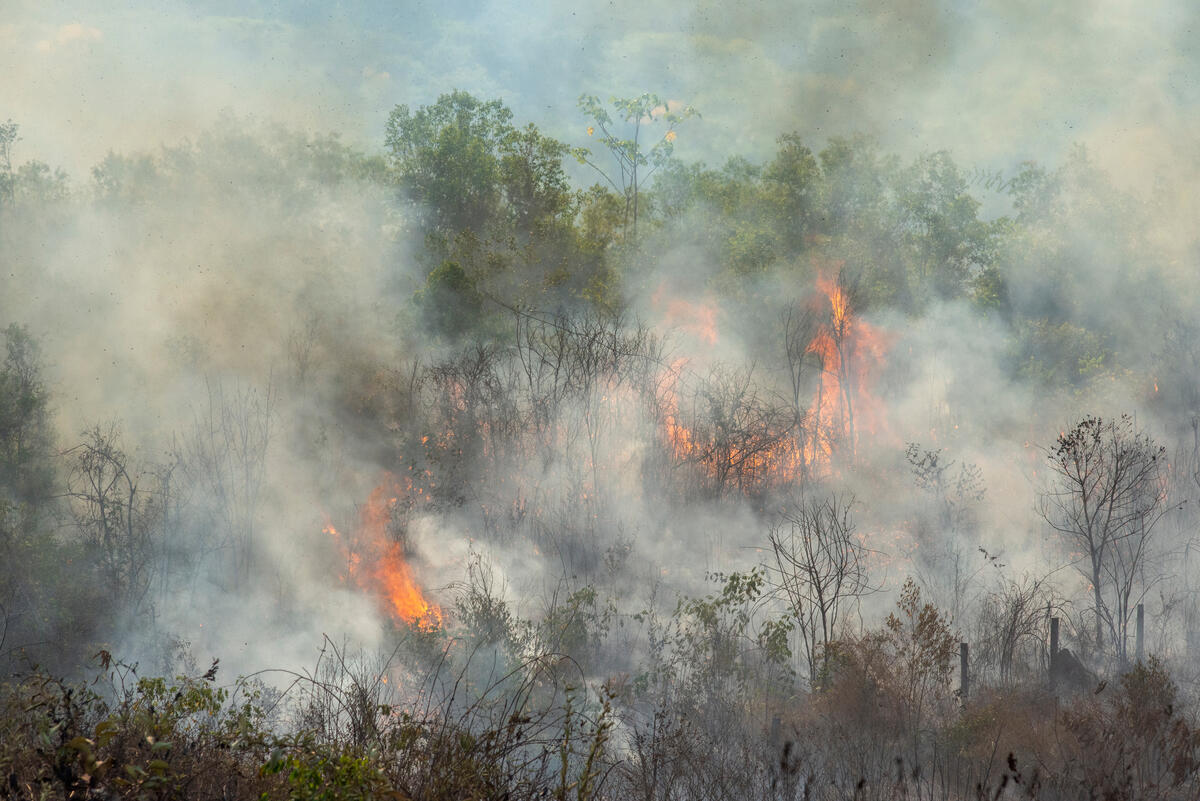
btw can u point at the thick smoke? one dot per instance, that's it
(210, 281)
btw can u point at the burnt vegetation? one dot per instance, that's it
(696, 479)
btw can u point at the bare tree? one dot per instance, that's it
(947, 527)
(739, 433)
(820, 569)
(302, 344)
(224, 458)
(115, 513)
(1012, 625)
(1104, 496)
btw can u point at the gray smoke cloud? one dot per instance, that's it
(240, 268)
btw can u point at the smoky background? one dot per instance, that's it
(239, 321)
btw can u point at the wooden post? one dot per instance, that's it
(1141, 631)
(964, 679)
(1053, 647)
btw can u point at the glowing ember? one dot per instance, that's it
(375, 562)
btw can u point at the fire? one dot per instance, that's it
(697, 319)
(843, 408)
(849, 350)
(375, 562)
(678, 435)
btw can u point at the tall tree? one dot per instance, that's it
(945, 241)
(446, 157)
(635, 162)
(796, 188)
(8, 137)
(1104, 496)
(26, 474)
(536, 192)
(820, 569)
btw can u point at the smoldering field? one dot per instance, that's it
(597, 446)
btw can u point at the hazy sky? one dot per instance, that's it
(996, 81)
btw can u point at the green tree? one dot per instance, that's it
(944, 239)
(26, 442)
(8, 137)
(536, 192)
(116, 515)
(733, 215)
(38, 596)
(857, 177)
(635, 162)
(446, 157)
(496, 200)
(127, 179)
(449, 302)
(796, 190)
(859, 218)
(464, 160)
(36, 182)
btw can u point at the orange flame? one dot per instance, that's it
(677, 434)
(375, 561)
(843, 407)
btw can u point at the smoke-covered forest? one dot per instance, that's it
(635, 449)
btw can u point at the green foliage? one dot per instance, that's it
(449, 302)
(126, 179)
(494, 199)
(635, 162)
(445, 157)
(536, 191)
(1061, 355)
(40, 602)
(989, 291)
(486, 617)
(9, 134)
(578, 626)
(35, 183)
(711, 648)
(630, 152)
(945, 241)
(25, 435)
(796, 188)
(464, 161)
(156, 739)
(323, 774)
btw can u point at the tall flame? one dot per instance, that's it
(375, 561)
(843, 408)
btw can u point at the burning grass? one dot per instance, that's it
(375, 561)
